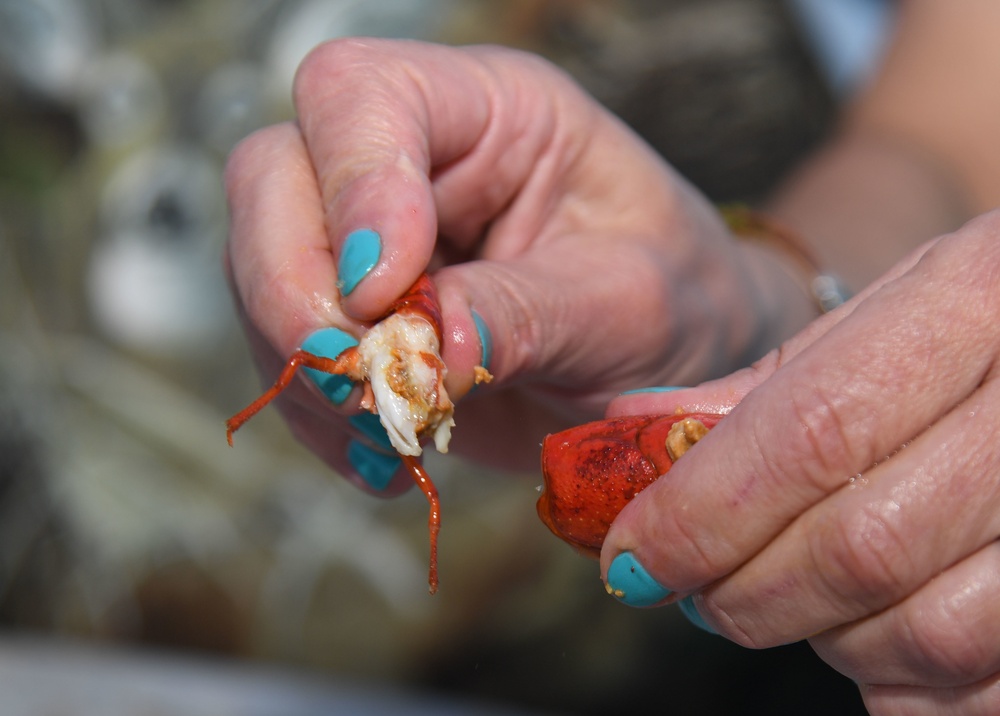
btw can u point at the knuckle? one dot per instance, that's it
(736, 629)
(823, 446)
(987, 225)
(965, 258)
(368, 67)
(988, 701)
(244, 159)
(830, 440)
(945, 642)
(705, 558)
(327, 59)
(861, 558)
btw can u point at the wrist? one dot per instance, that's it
(780, 301)
(748, 225)
(788, 288)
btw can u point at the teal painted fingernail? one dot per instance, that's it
(655, 389)
(330, 343)
(689, 610)
(359, 254)
(369, 425)
(631, 584)
(376, 468)
(485, 340)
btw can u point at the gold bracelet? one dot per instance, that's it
(827, 291)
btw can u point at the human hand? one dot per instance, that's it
(590, 265)
(852, 497)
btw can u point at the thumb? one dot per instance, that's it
(559, 315)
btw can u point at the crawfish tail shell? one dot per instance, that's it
(422, 299)
(652, 438)
(592, 471)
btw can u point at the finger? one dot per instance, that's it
(980, 699)
(383, 119)
(875, 541)
(947, 634)
(278, 254)
(866, 386)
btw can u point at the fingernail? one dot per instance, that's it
(359, 254)
(485, 339)
(376, 468)
(630, 583)
(330, 343)
(689, 610)
(369, 425)
(654, 389)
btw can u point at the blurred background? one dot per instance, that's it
(147, 568)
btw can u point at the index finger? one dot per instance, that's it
(408, 140)
(278, 254)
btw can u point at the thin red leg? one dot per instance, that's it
(423, 481)
(337, 366)
(420, 299)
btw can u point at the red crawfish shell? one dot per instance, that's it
(592, 471)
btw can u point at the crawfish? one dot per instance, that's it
(592, 471)
(399, 366)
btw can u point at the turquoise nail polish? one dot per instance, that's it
(654, 389)
(691, 612)
(485, 339)
(359, 254)
(631, 584)
(330, 343)
(369, 425)
(376, 468)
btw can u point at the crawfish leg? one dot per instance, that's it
(345, 364)
(423, 481)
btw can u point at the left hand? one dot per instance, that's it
(555, 225)
(852, 497)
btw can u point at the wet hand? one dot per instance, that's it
(852, 495)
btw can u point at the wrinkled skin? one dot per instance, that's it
(556, 225)
(534, 207)
(806, 518)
